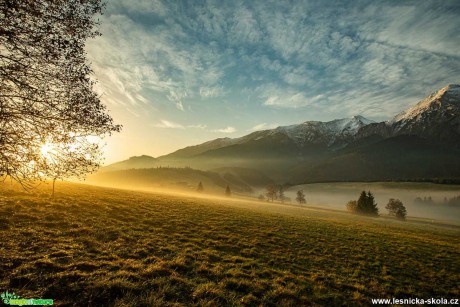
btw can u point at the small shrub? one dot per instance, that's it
(352, 206)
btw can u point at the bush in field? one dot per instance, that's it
(396, 208)
(352, 206)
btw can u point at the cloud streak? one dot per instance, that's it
(172, 125)
(263, 126)
(226, 130)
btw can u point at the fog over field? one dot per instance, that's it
(323, 195)
(336, 195)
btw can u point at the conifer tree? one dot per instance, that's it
(371, 206)
(366, 204)
(362, 203)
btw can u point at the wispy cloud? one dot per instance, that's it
(226, 130)
(212, 92)
(263, 126)
(199, 126)
(292, 100)
(168, 124)
(172, 125)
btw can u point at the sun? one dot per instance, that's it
(47, 150)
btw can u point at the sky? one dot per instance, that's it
(179, 73)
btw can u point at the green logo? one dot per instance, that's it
(15, 300)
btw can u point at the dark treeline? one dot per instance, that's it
(436, 180)
(453, 201)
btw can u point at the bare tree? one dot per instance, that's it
(300, 197)
(281, 194)
(46, 91)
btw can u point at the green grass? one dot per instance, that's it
(97, 246)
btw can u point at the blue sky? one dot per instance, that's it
(178, 73)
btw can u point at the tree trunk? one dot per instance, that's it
(54, 181)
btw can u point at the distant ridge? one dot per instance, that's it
(142, 161)
(310, 132)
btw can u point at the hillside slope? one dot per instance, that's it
(240, 180)
(143, 161)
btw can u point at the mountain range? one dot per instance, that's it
(421, 143)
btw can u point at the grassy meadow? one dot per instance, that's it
(92, 246)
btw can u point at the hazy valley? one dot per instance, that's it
(416, 152)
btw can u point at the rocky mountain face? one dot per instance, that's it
(327, 133)
(437, 116)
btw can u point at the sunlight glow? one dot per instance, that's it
(46, 149)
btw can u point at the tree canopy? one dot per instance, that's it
(396, 208)
(46, 89)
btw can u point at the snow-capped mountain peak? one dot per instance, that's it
(351, 125)
(441, 108)
(444, 98)
(324, 132)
